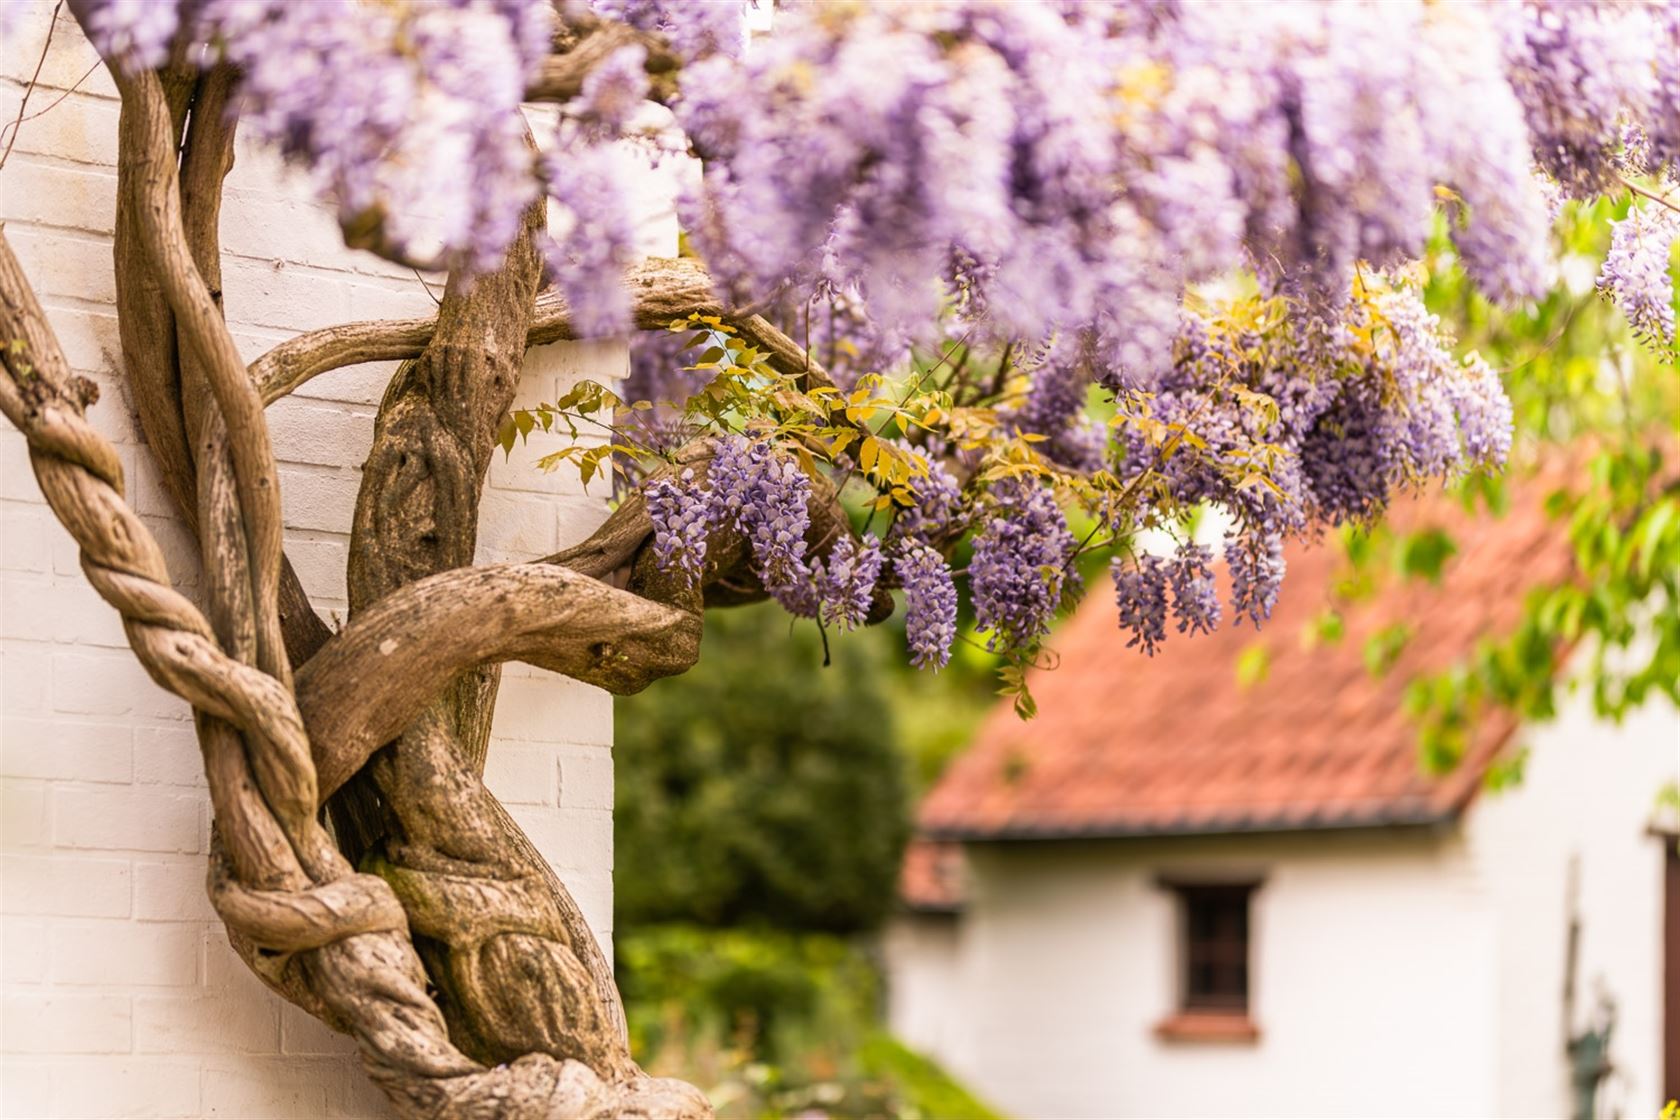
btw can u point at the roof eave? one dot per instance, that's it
(1422, 817)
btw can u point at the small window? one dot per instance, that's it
(1215, 946)
(1214, 1002)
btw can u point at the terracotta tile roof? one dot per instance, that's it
(1125, 745)
(931, 877)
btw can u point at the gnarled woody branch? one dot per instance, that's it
(328, 934)
(372, 678)
(662, 289)
(148, 159)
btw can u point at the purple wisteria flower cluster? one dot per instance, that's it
(1636, 273)
(1021, 567)
(1363, 403)
(681, 520)
(908, 152)
(845, 582)
(763, 494)
(1256, 564)
(930, 603)
(1140, 595)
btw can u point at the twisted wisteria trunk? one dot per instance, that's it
(455, 957)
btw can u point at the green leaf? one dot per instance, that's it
(1425, 554)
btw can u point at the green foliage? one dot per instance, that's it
(775, 1024)
(762, 787)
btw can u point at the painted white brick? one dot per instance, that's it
(92, 344)
(25, 545)
(31, 607)
(269, 1089)
(77, 198)
(374, 299)
(168, 756)
(65, 749)
(108, 683)
(351, 1094)
(141, 819)
(78, 131)
(210, 1024)
(119, 954)
(129, 1087)
(320, 564)
(586, 778)
(25, 952)
(61, 1023)
(322, 435)
(171, 890)
(516, 527)
(64, 885)
(303, 1034)
(25, 1088)
(324, 502)
(70, 64)
(283, 297)
(551, 709)
(521, 773)
(580, 840)
(60, 263)
(25, 677)
(23, 814)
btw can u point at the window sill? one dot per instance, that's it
(1208, 1026)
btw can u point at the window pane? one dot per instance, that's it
(1216, 947)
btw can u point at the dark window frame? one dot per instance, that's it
(1214, 945)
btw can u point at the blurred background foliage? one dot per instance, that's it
(763, 802)
(765, 797)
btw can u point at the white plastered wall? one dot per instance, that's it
(120, 995)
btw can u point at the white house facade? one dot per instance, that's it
(120, 994)
(1167, 897)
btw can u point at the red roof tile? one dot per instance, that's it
(1126, 745)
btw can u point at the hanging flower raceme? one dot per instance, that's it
(930, 603)
(1256, 564)
(1140, 595)
(681, 520)
(1021, 567)
(1636, 272)
(846, 581)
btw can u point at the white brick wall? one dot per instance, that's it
(120, 995)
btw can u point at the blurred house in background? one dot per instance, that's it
(1170, 895)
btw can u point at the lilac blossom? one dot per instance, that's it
(136, 33)
(592, 236)
(1580, 70)
(695, 28)
(613, 92)
(1054, 407)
